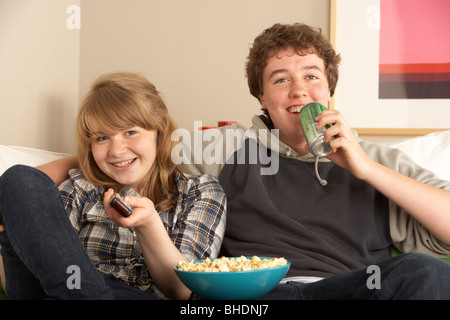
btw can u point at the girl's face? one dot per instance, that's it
(125, 156)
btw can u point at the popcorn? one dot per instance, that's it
(225, 264)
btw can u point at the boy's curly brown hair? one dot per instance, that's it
(300, 37)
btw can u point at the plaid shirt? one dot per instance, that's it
(196, 226)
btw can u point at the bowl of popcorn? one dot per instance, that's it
(234, 278)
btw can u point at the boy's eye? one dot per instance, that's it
(281, 80)
(130, 132)
(312, 77)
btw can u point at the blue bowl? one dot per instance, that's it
(233, 285)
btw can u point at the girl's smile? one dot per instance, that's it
(124, 164)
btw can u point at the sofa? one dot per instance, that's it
(431, 151)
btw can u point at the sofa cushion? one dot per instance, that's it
(11, 155)
(431, 151)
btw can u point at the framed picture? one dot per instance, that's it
(395, 69)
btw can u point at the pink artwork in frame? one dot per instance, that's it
(414, 58)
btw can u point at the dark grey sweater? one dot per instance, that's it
(322, 230)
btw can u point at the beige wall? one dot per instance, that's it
(39, 74)
(194, 51)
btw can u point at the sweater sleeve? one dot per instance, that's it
(407, 234)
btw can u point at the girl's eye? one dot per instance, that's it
(101, 139)
(130, 132)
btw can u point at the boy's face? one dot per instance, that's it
(289, 82)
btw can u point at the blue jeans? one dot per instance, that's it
(410, 276)
(40, 247)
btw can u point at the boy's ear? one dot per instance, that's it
(261, 100)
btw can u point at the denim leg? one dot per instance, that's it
(405, 277)
(22, 284)
(284, 291)
(414, 276)
(122, 291)
(40, 244)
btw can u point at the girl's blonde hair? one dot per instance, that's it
(119, 101)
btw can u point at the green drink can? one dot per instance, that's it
(314, 137)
